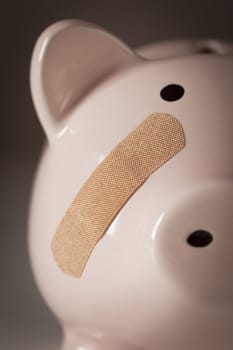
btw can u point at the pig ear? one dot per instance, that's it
(69, 59)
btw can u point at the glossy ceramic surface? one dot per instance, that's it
(144, 287)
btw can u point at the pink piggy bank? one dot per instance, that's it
(131, 219)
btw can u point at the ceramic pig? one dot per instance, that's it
(159, 274)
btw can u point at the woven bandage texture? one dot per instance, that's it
(156, 140)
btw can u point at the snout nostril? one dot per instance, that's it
(199, 239)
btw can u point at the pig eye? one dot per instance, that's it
(172, 92)
(199, 239)
(206, 50)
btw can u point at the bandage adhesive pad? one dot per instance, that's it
(145, 149)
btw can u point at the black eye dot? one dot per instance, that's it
(206, 50)
(199, 239)
(172, 92)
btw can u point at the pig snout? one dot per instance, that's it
(194, 243)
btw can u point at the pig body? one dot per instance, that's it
(145, 286)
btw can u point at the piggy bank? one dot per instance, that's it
(131, 216)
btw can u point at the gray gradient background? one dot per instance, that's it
(25, 321)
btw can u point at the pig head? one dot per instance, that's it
(160, 272)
